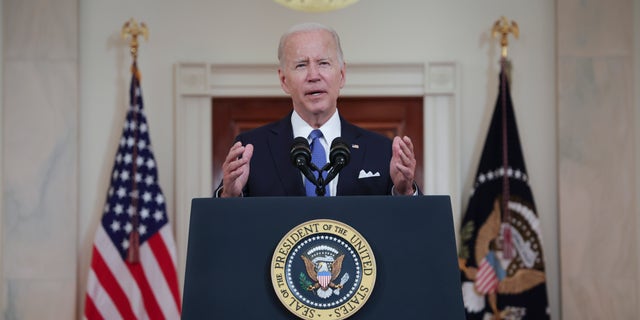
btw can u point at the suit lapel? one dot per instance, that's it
(280, 140)
(351, 134)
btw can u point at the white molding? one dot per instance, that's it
(196, 84)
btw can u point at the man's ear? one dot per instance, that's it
(343, 73)
(283, 81)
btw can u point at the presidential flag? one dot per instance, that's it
(501, 258)
(133, 267)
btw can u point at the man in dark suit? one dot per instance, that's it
(312, 72)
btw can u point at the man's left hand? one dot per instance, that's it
(403, 165)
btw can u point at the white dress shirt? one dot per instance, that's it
(330, 130)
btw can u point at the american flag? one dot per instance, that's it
(133, 267)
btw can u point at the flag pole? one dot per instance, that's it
(132, 30)
(503, 28)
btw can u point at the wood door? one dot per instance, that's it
(390, 116)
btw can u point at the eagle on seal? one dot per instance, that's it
(323, 272)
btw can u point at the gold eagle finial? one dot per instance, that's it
(503, 28)
(133, 30)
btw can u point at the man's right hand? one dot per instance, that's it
(236, 170)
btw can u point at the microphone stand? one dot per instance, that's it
(301, 155)
(320, 190)
(321, 183)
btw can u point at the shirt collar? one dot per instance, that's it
(330, 130)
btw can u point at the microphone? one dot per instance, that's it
(339, 156)
(301, 156)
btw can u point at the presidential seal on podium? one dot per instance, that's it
(323, 269)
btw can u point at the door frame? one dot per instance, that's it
(389, 116)
(196, 84)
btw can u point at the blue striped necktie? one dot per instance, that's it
(319, 158)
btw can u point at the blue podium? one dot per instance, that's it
(232, 242)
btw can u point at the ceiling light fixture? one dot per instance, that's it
(316, 5)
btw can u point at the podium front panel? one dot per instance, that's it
(232, 242)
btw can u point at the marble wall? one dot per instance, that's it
(39, 163)
(598, 209)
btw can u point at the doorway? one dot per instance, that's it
(389, 116)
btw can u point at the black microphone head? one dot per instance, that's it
(339, 154)
(300, 152)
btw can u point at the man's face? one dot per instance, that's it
(312, 75)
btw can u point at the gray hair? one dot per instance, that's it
(309, 26)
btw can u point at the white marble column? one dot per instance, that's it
(596, 150)
(39, 165)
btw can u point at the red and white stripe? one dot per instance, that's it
(324, 280)
(486, 278)
(146, 290)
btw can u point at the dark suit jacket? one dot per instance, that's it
(273, 174)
